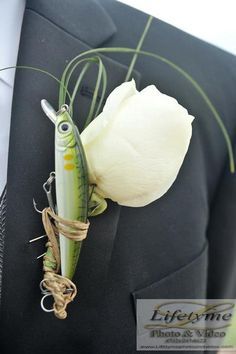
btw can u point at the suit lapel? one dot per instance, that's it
(85, 20)
(31, 158)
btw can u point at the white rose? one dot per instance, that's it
(137, 145)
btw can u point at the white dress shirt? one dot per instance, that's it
(10, 28)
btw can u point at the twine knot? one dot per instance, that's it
(61, 288)
(63, 291)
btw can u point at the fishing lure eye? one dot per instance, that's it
(64, 127)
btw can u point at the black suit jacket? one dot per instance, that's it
(181, 246)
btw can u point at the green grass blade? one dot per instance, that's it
(104, 87)
(91, 115)
(101, 81)
(139, 46)
(42, 71)
(77, 86)
(65, 80)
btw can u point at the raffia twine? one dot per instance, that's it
(61, 288)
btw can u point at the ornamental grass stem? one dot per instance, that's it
(139, 46)
(42, 72)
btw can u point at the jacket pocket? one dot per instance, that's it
(188, 282)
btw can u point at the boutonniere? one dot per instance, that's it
(130, 152)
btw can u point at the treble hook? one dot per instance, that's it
(47, 186)
(35, 207)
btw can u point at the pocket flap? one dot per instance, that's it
(189, 282)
